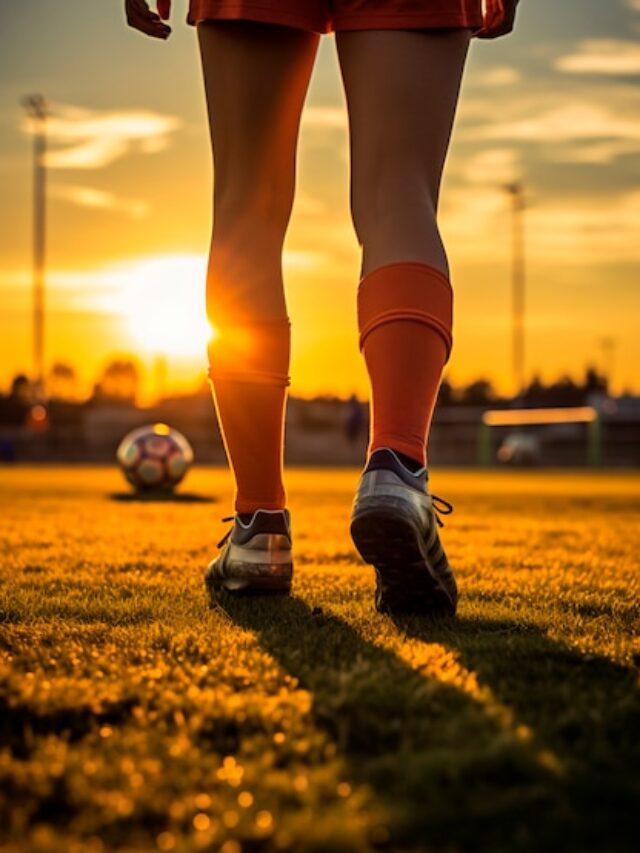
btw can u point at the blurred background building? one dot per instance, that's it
(566, 423)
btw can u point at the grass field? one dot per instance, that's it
(135, 716)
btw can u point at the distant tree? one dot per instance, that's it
(446, 393)
(21, 389)
(14, 409)
(119, 382)
(534, 394)
(594, 382)
(564, 392)
(62, 381)
(478, 393)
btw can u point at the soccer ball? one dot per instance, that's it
(154, 458)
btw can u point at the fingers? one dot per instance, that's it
(140, 17)
(494, 33)
(164, 9)
(494, 14)
(498, 20)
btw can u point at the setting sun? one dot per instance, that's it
(162, 301)
(129, 207)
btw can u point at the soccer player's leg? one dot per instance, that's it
(402, 88)
(256, 77)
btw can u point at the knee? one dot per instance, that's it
(244, 289)
(391, 206)
(244, 277)
(262, 208)
(244, 274)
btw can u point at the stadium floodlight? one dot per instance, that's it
(37, 109)
(532, 417)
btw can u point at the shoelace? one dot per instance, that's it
(445, 509)
(229, 531)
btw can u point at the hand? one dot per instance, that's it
(140, 17)
(499, 18)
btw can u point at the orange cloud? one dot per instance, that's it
(100, 200)
(93, 139)
(602, 56)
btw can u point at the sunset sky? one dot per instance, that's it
(556, 105)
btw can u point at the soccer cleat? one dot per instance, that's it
(394, 526)
(257, 558)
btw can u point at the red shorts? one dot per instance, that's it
(325, 16)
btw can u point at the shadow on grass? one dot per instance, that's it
(21, 722)
(162, 497)
(450, 773)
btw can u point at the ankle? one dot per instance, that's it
(412, 463)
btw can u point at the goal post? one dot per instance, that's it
(533, 417)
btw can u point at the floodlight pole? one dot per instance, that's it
(516, 192)
(37, 109)
(608, 345)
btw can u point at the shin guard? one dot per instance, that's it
(405, 319)
(248, 372)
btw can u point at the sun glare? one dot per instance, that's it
(162, 300)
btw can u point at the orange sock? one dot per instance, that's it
(405, 317)
(248, 371)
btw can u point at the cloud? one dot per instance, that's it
(308, 205)
(564, 122)
(569, 231)
(593, 124)
(92, 139)
(597, 152)
(499, 75)
(582, 234)
(326, 117)
(491, 166)
(602, 56)
(472, 217)
(93, 154)
(100, 200)
(303, 259)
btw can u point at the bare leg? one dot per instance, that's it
(402, 88)
(256, 77)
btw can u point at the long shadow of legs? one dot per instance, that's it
(449, 774)
(582, 708)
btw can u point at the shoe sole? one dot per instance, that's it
(275, 581)
(394, 546)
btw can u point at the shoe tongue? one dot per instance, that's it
(409, 463)
(385, 458)
(267, 520)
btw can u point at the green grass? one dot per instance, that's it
(134, 716)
